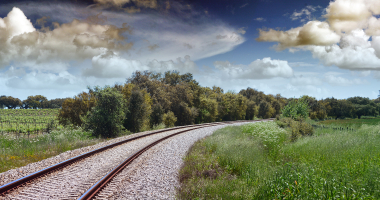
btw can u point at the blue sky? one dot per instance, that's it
(319, 48)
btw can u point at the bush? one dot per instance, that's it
(297, 128)
(107, 116)
(169, 119)
(270, 136)
(296, 109)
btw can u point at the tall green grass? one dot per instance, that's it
(16, 152)
(258, 161)
(352, 123)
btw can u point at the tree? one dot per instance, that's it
(266, 110)
(37, 101)
(139, 109)
(169, 119)
(364, 106)
(106, 118)
(157, 115)
(10, 102)
(74, 109)
(208, 110)
(251, 110)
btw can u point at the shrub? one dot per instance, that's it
(269, 134)
(297, 128)
(296, 109)
(107, 116)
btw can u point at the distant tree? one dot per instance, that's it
(157, 115)
(54, 103)
(10, 102)
(2, 105)
(364, 106)
(266, 110)
(37, 101)
(139, 110)
(106, 118)
(74, 109)
(208, 110)
(169, 119)
(251, 110)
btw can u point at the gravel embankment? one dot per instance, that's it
(154, 175)
(75, 179)
(15, 174)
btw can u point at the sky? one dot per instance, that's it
(319, 48)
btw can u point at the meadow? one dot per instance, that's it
(258, 161)
(353, 123)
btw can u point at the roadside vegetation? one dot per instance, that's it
(265, 161)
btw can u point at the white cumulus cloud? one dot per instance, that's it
(259, 69)
(354, 52)
(312, 33)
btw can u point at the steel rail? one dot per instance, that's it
(17, 183)
(90, 193)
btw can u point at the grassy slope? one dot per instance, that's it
(332, 164)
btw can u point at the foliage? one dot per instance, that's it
(34, 102)
(139, 109)
(157, 115)
(169, 119)
(252, 110)
(270, 136)
(266, 110)
(10, 102)
(106, 118)
(297, 128)
(296, 109)
(75, 109)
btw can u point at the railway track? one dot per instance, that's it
(82, 176)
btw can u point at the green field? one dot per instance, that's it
(355, 123)
(26, 120)
(250, 162)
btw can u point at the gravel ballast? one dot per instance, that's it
(73, 180)
(154, 175)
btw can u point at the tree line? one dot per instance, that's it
(170, 98)
(147, 99)
(32, 102)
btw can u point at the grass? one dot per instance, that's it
(17, 152)
(352, 123)
(251, 162)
